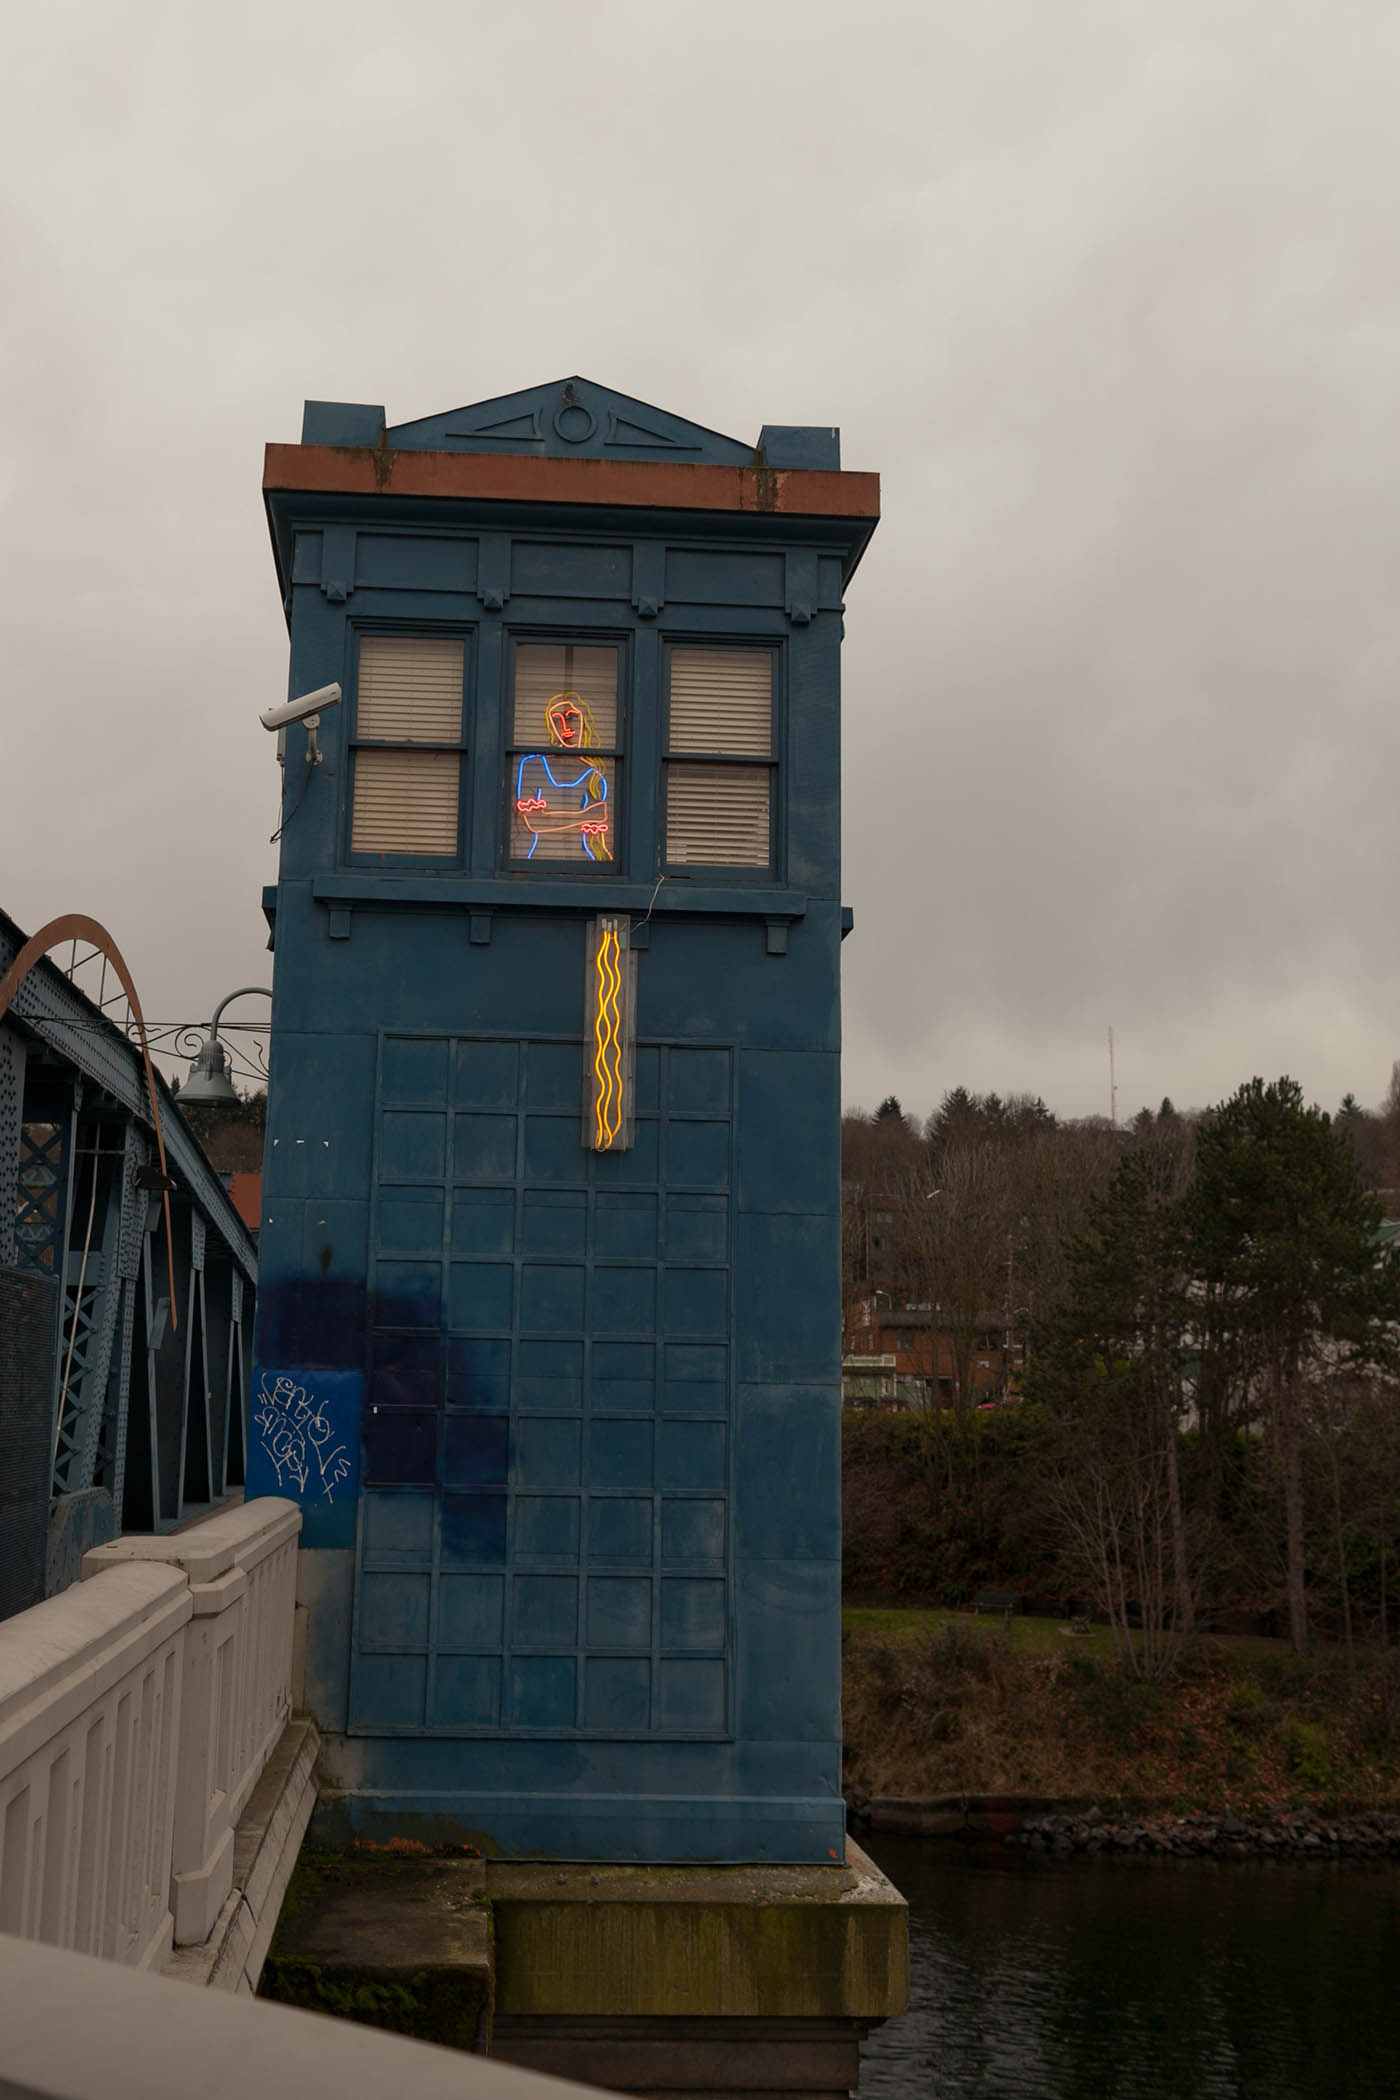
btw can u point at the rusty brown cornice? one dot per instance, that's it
(756, 491)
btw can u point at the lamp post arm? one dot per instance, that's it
(262, 991)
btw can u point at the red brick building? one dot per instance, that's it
(896, 1357)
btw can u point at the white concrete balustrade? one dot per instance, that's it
(241, 1572)
(90, 1687)
(138, 1711)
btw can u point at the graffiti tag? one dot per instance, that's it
(298, 1437)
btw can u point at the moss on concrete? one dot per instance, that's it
(425, 1944)
(393, 1940)
(308, 1879)
(448, 2006)
(665, 1942)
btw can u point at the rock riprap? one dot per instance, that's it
(1288, 1834)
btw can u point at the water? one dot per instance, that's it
(1044, 1978)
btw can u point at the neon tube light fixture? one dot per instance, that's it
(610, 982)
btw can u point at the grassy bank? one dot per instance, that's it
(940, 1702)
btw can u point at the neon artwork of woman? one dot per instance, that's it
(557, 803)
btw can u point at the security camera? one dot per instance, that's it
(308, 710)
(298, 710)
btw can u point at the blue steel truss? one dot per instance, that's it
(149, 1412)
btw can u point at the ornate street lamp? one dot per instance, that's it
(210, 1079)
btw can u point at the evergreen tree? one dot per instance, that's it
(956, 1121)
(1283, 1241)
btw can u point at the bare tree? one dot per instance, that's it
(952, 1250)
(1112, 1496)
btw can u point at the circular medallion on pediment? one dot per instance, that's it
(574, 423)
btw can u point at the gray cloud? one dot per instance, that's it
(1108, 293)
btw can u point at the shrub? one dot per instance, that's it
(1249, 1709)
(957, 1651)
(1241, 1760)
(1386, 1721)
(1118, 1706)
(886, 1664)
(943, 1724)
(1081, 1667)
(1288, 1676)
(1309, 1753)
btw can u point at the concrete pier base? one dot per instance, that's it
(699, 2059)
(402, 1943)
(696, 1980)
(686, 1980)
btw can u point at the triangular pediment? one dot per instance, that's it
(570, 419)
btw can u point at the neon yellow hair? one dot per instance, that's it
(596, 788)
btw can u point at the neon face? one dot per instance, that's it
(565, 720)
(576, 810)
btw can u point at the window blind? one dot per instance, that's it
(410, 689)
(722, 700)
(405, 802)
(718, 816)
(721, 706)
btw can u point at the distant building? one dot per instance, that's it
(234, 1151)
(245, 1194)
(897, 1357)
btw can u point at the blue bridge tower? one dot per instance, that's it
(548, 1322)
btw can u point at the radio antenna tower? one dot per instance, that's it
(1112, 1085)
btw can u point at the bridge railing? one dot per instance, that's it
(137, 1711)
(241, 1571)
(90, 1686)
(74, 2029)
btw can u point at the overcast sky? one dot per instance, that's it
(1109, 294)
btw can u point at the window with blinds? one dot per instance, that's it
(408, 746)
(562, 776)
(719, 803)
